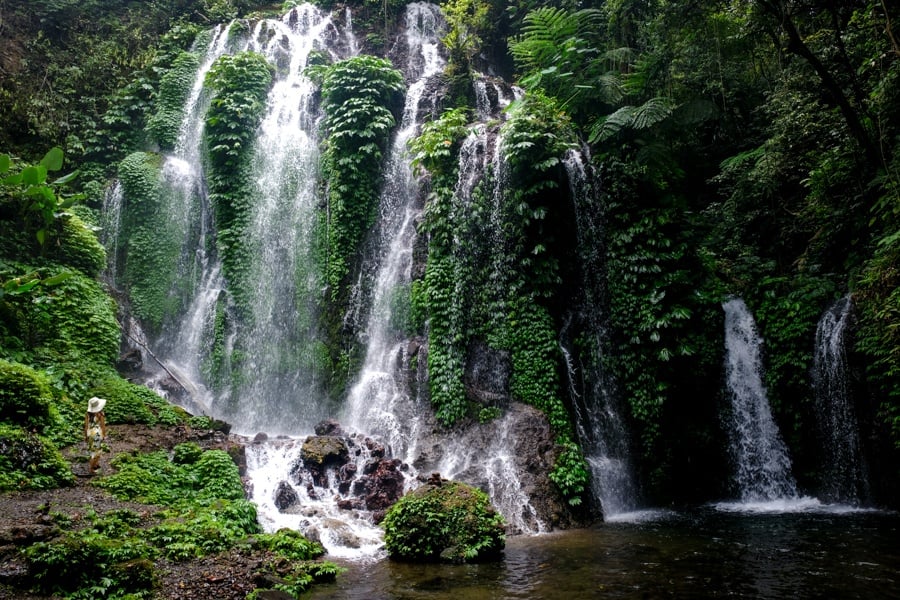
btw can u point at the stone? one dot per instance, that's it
(285, 496)
(324, 450)
(328, 427)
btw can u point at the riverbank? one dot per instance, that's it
(30, 517)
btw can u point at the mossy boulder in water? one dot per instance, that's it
(324, 450)
(444, 521)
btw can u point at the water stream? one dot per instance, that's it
(844, 472)
(598, 415)
(762, 467)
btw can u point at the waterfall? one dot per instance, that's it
(265, 374)
(844, 473)
(278, 342)
(379, 403)
(111, 227)
(598, 421)
(761, 462)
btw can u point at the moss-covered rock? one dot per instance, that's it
(444, 521)
(322, 450)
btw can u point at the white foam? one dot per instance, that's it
(802, 504)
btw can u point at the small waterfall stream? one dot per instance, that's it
(598, 421)
(844, 472)
(761, 462)
(379, 403)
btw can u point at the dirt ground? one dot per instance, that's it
(25, 519)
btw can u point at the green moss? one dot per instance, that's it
(152, 245)
(66, 319)
(130, 403)
(240, 83)
(449, 521)
(30, 461)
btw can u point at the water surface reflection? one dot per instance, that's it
(706, 553)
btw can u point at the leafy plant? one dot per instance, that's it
(39, 203)
(30, 461)
(449, 522)
(240, 83)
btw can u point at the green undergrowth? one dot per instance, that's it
(195, 507)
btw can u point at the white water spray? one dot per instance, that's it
(761, 462)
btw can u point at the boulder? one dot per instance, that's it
(323, 451)
(285, 496)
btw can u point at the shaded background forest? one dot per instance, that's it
(745, 148)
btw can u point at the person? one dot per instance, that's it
(95, 431)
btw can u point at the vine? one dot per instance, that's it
(240, 83)
(436, 300)
(357, 95)
(174, 88)
(152, 249)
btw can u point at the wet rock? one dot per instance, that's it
(260, 437)
(486, 377)
(341, 533)
(382, 484)
(375, 449)
(130, 362)
(329, 427)
(323, 450)
(285, 496)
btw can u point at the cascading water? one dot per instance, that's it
(600, 427)
(279, 343)
(761, 461)
(111, 227)
(844, 473)
(379, 403)
(272, 387)
(494, 468)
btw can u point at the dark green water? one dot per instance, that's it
(702, 554)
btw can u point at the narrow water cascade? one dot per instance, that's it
(844, 477)
(111, 225)
(762, 467)
(379, 403)
(598, 418)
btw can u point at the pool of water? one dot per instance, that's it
(709, 552)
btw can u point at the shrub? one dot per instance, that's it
(444, 521)
(79, 247)
(155, 479)
(25, 396)
(30, 461)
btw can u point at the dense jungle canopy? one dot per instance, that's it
(745, 148)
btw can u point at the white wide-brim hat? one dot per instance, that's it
(96, 404)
